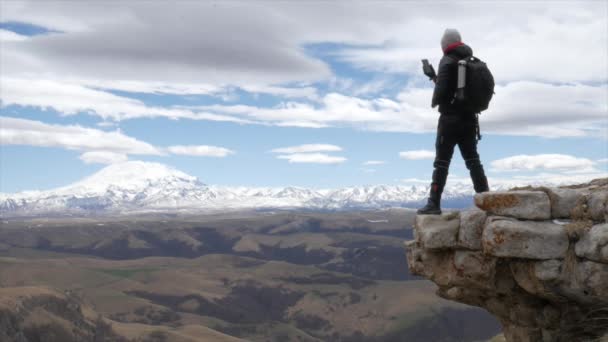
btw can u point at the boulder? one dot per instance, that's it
(593, 244)
(597, 203)
(563, 200)
(529, 205)
(471, 227)
(437, 231)
(538, 278)
(525, 239)
(578, 280)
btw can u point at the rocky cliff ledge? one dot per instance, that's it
(537, 258)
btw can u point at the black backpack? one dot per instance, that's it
(479, 87)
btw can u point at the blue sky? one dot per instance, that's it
(213, 90)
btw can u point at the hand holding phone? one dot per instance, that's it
(428, 69)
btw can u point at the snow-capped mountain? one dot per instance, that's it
(137, 186)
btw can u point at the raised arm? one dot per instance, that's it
(444, 82)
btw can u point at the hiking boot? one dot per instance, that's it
(431, 208)
(433, 205)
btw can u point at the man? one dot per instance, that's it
(457, 125)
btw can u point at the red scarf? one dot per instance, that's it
(452, 47)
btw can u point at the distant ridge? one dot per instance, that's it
(137, 186)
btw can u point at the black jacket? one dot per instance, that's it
(447, 78)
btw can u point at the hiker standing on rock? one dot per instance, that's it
(463, 88)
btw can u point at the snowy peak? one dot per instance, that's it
(133, 175)
(137, 186)
(137, 170)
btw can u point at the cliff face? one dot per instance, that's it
(537, 258)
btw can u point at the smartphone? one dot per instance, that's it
(427, 69)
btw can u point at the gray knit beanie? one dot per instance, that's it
(450, 36)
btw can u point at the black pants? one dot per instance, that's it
(452, 131)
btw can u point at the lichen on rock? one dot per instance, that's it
(525, 239)
(529, 205)
(537, 258)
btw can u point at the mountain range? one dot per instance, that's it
(137, 186)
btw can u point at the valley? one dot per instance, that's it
(248, 275)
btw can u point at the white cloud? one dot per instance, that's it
(10, 36)
(374, 162)
(98, 146)
(65, 71)
(365, 88)
(107, 124)
(70, 98)
(540, 31)
(152, 87)
(307, 148)
(310, 153)
(250, 45)
(335, 109)
(103, 157)
(603, 160)
(417, 154)
(313, 158)
(222, 91)
(560, 162)
(16, 131)
(532, 109)
(286, 92)
(519, 108)
(200, 150)
(263, 44)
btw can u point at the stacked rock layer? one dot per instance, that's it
(536, 258)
